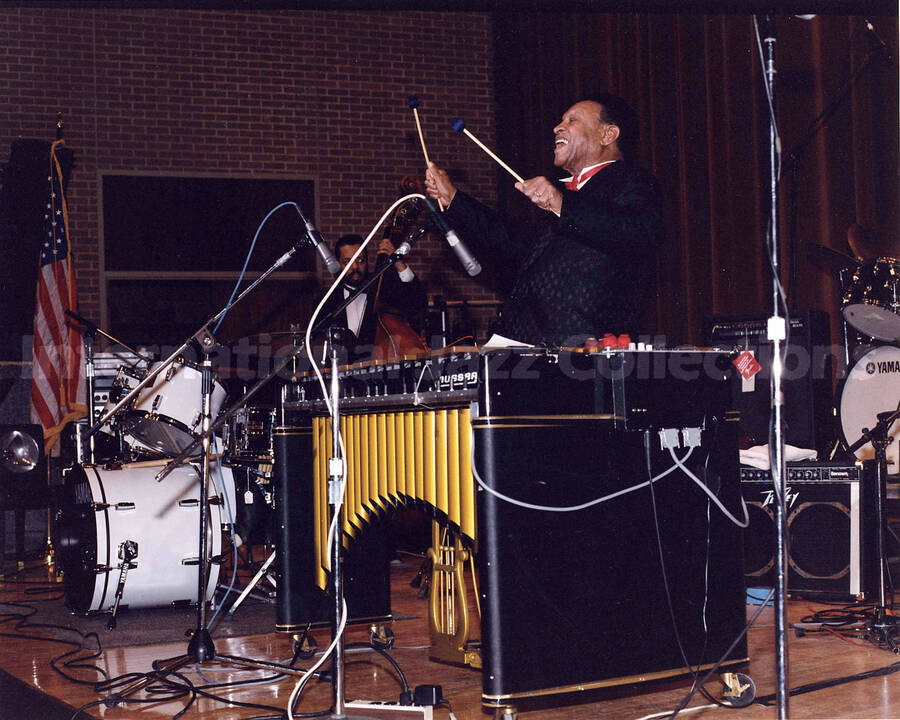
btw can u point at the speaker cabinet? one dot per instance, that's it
(808, 420)
(831, 530)
(366, 565)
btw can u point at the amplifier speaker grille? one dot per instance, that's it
(831, 530)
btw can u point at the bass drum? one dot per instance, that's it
(104, 508)
(872, 387)
(166, 416)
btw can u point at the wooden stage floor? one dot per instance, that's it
(32, 689)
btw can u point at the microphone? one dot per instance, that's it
(876, 41)
(468, 261)
(315, 237)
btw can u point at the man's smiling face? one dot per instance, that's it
(581, 138)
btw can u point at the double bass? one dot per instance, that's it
(394, 336)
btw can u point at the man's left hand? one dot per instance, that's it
(542, 193)
(387, 247)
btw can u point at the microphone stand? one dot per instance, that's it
(95, 329)
(203, 336)
(336, 482)
(200, 647)
(321, 323)
(777, 334)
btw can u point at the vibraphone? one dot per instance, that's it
(487, 440)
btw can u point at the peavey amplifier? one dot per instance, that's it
(831, 529)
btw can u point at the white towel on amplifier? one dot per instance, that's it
(498, 341)
(758, 455)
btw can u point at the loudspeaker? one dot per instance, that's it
(808, 417)
(366, 566)
(23, 467)
(831, 529)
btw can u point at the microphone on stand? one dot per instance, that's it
(875, 39)
(468, 261)
(315, 237)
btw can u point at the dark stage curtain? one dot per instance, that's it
(696, 82)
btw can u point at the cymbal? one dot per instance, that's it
(866, 243)
(829, 259)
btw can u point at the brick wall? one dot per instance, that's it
(282, 93)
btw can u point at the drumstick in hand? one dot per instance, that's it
(460, 127)
(413, 103)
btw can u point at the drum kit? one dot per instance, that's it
(116, 520)
(870, 308)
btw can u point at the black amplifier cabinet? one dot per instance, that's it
(831, 529)
(366, 567)
(807, 376)
(576, 600)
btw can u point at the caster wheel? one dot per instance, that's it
(505, 713)
(381, 637)
(740, 691)
(304, 646)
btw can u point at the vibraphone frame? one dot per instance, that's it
(570, 601)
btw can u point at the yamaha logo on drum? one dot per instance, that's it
(886, 366)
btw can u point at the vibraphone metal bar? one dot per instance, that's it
(399, 458)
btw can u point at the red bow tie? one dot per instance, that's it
(576, 180)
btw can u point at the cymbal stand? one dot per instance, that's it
(201, 646)
(88, 337)
(883, 626)
(88, 333)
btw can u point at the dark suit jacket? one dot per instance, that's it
(408, 298)
(582, 274)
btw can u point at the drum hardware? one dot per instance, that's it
(165, 417)
(263, 572)
(128, 551)
(117, 506)
(89, 330)
(871, 302)
(872, 384)
(102, 508)
(201, 646)
(884, 626)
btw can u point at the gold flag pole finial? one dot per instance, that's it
(59, 126)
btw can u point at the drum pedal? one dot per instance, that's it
(128, 551)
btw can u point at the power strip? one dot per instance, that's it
(388, 710)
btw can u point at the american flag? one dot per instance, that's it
(58, 383)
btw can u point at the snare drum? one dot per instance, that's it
(166, 416)
(871, 303)
(103, 508)
(872, 386)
